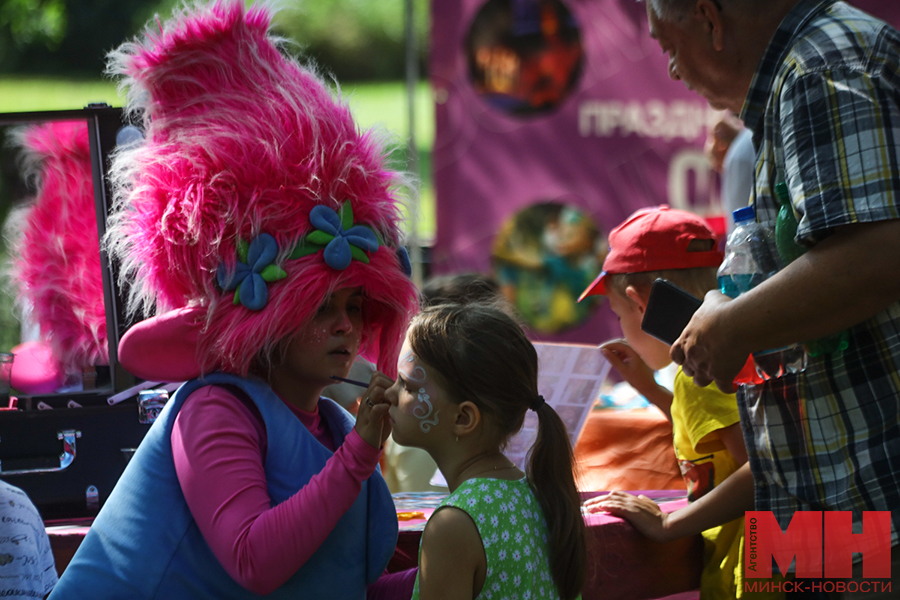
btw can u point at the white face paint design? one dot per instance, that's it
(417, 374)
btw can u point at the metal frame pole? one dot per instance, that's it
(412, 77)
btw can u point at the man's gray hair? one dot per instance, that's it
(675, 9)
(670, 9)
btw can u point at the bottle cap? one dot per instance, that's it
(782, 193)
(744, 214)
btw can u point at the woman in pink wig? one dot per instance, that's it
(263, 229)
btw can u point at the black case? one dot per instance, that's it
(67, 450)
(68, 460)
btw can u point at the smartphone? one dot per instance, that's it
(669, 309)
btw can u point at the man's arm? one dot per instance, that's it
(845, 279)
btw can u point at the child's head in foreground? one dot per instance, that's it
(655, 243)
(468, 376)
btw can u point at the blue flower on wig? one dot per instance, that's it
(254, 269)
(343, 241)
(405, 264)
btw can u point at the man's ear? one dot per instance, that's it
(636, 297)
(468, 417)
(710, 15)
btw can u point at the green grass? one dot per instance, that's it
(384, 105)
(381, 105)
(26, 94)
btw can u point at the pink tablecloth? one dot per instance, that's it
(622, 563)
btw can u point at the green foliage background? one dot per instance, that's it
(354, 39)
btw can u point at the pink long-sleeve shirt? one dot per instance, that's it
(219, 445)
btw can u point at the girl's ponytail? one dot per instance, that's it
(550, 471)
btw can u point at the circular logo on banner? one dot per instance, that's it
(524, 56)
(544, 256)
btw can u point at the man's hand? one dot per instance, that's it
(837, 284)
(708, 352)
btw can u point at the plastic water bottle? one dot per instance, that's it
(750, 259)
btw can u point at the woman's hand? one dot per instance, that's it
(372, 421)
(642, 512)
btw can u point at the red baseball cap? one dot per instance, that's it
(656, 239)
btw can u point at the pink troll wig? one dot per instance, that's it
(56, 263)
(242, 142)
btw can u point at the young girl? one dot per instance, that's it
(263, 226)
(467, 377)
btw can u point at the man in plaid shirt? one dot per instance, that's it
(818, 83)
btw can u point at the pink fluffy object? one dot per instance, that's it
(243, 140)
(57, 263)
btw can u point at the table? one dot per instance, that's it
(627, 566)
(65, 537)
(617, 450)
(632, 450)
(622, 563)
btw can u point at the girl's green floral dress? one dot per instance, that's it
(514, 533)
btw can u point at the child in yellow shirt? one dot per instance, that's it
(677, 246)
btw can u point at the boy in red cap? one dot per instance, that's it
(677, 246)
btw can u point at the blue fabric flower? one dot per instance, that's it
(255, 268)
(343, 241)
(405, 264)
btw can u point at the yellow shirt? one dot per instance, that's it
(697, 416)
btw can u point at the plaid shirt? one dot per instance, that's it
(823, 108)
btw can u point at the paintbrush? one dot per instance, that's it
(353, 381)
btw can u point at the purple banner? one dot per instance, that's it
(555, 120)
